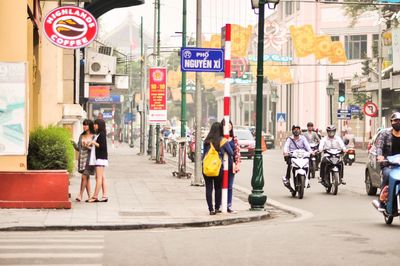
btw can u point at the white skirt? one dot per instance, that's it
(101, 162)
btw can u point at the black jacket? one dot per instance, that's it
(101, 151)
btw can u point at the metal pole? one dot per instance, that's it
(330, 110)
(142, 114)
(257, 198)
(183, 82)
(198, 176)
(158, 64)
(380, 72)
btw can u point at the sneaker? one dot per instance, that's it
(319, 179)
(218, 211)
(284, 180)
(231, 211)
(308, 186)
(380, 206)
(343, 182)
(212, 213)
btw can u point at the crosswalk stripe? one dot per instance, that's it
(53, 240)
(49, 255)
(50, 247)
(50, 236)
(52, 264)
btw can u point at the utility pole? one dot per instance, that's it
(197, 180)
(142, 74)
(183, 82)
(380, 71)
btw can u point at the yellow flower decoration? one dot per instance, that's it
(240, 40)
(338, 53)
(323, 46)
(303, 40)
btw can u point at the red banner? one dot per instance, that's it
(158, 95)
(99, 91)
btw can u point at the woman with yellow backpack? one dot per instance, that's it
(215, 145)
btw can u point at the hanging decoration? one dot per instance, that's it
(323, 46)
(303, 40)
(276, 35)
(338, 53)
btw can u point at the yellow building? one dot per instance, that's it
(50, 94)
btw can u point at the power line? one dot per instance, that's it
(342, 3)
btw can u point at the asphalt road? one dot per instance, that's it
(333, 230)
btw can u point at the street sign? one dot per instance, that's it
(343, 114)
(202, 60)
(370, 109)
(281, 117)
(354, 109)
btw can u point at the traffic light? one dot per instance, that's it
(365, 68)
(342, 92)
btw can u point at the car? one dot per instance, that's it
(372, 169)
(247, 143)
(269, 140)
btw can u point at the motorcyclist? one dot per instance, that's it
(388, 144)
(348, 138)
(294, 142)
(330, 141)
(172, 137)
(310, 134)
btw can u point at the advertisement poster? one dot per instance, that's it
(12, 108)
(158, 96)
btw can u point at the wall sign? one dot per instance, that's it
(70, 27)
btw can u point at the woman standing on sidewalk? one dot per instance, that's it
(101, 160)
(233, 164)
(215, 138)
(83, 158)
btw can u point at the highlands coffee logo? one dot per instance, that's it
(70, 27)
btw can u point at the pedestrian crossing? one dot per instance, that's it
(51, 248)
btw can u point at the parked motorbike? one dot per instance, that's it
(299, 168)
(392, 200)
(349, 157)
(314, 159)
(333, 170)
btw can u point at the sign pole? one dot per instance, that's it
(227, 79)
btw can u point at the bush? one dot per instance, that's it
(50, 149)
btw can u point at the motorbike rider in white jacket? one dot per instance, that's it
(294, 142)
(330, 141)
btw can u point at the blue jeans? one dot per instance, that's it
(231, 178)
(385, 176)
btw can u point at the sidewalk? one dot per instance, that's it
(142, 194)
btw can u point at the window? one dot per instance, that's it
(375, 40)
(356, 46)
(335, 38)
(289, 8)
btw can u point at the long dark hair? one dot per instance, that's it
(101, 125)
(88, 122)
(231, 134)
(214, 136)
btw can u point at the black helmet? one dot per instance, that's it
(331, 130)
(310, 124)
(296, 132)
(394, 116)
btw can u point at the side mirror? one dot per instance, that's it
(346, 142)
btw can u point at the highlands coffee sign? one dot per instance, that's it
(70, 27)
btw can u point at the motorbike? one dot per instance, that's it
(393, 191)
(299, 168)
(314, 159)
(333, 170)
(192, 148)
(349, 157)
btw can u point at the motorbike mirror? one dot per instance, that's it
(346, 142)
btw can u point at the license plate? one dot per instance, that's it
(351, 156)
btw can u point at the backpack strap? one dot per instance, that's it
(294, 143)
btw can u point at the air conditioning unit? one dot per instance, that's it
(100, 64)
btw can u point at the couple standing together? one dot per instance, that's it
(231, 147)
(93, 158)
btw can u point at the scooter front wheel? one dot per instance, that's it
(301, 185)
(388, 218)
(335, 179)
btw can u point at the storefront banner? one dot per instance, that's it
(99, 91)
(396, 49)
(158, 96)
(13, 109)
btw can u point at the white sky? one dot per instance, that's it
(216, 13)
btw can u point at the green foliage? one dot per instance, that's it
(174, 60)
(360, 99)
(50, 148)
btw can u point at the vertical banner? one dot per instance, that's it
(12, 108)
(396, 49)
(158, 95)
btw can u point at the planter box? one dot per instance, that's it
(46, 189)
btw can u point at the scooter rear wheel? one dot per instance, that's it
(388, 219)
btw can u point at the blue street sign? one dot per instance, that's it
(343, 114)
(281, 117)
(202, 60)
(109, 99)
(354, 109)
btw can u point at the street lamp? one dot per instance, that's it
(330, 90)
(257, 198)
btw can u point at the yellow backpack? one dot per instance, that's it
(212, 162)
